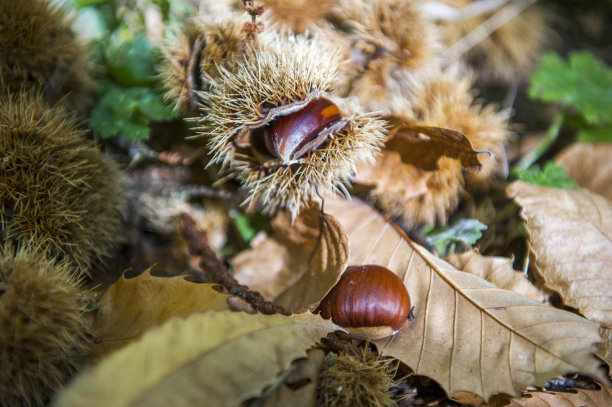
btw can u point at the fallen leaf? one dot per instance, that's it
(299, 389)
(263, 267)
(299, 263)
(424, 152)
(604, 350)
(467, 334)
(132, 305)
(570, 236)
(577, 398)
(590, 165)
(497, 271)
(213, 359)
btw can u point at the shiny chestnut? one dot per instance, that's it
(367, 297)
(291, 136)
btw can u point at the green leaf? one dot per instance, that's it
(86, 3)
(249, 225)
(583, 82)
(553, 175)
(596, 134)
(131, 62)
(127, 111)
(154, 107)
(444, 239)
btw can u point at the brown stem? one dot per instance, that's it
(212, 267)
(252, 28)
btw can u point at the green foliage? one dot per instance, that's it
(445, 239)
(553, 175)
(127, 111)
(131, 62)
(583, 83)
(128, 99)
(596, 134)
(249, 225)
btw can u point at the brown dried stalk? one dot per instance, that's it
(254, 27)
(213, 268)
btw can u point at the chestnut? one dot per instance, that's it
(291, 136)
(370, 302)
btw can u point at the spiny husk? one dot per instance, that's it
(444, 187)
(511, 51)
(285, 71)
(199, 49)
(42, 329)
(391, 46)
(444, 100)
(298, 16)
(356, 381)
(56, 188)
(38, 49)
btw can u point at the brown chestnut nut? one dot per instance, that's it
(293, 135)
(370, 301)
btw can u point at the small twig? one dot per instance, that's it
(254, 27)
(316, 188)
(211, 266)
(485, 29)
(551, 135)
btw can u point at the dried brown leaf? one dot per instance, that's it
(266, 267)
(497, 271)
(570, 236)
(468, 335)
(212, 359)
(577, 398)
(604, 350)
(299, 263)
(132, 305)
(590, 165)
(422, 146)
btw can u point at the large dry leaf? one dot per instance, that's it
(132, 305)
(424, 152)
(590, 165)
(299, 388)
(299, 263)
(468, 335)
(209, 359)
(604, 350)
(497, 271)
(570, 236)
(578, 398)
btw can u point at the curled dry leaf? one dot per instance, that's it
(590, 166)
(570, 236)
(299, 263)
(422, 146)
(419, 175)
(467, 335)
(576, 398)
(132, 305)
(213, 359)
(419, 149)
(497, 271)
